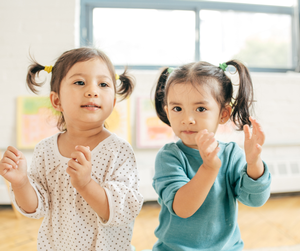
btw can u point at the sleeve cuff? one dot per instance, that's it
(111, 211)
(168, 196)
(258, 185)
(169, 205)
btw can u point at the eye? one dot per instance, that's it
(103, 85)
(176, 109)
(79, 83)
(201, 109)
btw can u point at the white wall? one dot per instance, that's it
(46, 28)
(49, 28)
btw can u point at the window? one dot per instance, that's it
(151, 34)
(145, 36)
(259, 39)
(289, 3)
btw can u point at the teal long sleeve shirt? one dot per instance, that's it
(214, 226)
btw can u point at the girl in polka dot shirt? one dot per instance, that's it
(83, 180)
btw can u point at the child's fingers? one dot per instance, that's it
(247, 132)
(210, 139)
(202, 137)
(70, 170)
(8, 162)
(79, 157)
(4, 168)
(258, 128)
(201, 133)
(73, 164)
(14, 151)
(11, 156)
(261, 136)
(258, 131)
(214, 152)
(259, 148)
(255, 125)
(85, 150)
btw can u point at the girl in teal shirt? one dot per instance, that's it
(199, 179)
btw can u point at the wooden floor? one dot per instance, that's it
(277, 223)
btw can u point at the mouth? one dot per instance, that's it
(189, 132)
(91, 105)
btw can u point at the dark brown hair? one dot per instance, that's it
(201, 73)
(64, 64)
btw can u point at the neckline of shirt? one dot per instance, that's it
(66, 159)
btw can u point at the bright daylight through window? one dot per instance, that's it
(261, 33)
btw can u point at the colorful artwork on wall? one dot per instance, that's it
(36, 120)
(119, 121)
(151, 131)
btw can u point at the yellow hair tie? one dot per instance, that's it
(48, 68)
(117, 76)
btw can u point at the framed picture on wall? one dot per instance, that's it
(119, 120)
(151, 131)
(36, 120)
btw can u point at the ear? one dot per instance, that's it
(55, 101)
(225, 114)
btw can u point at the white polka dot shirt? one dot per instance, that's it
(69, 222)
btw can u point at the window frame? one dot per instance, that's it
(86, 22)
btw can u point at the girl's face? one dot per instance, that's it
(87, 95)
(191, 110)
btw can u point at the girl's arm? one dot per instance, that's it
(96, 197)
(253, 147)
(13, 167)
(251, 181)
(191, 196)
(117, 200)
(26, 197)
(80, 169)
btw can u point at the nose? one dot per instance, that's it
(91, 93)
(188, 119)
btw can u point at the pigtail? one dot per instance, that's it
(126, 87)
(159, 96)
(242, 102)
(33, 72)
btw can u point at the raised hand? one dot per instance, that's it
(253, 142)
(80, 167)
(253, 147)
(13, 167)
(208, 148)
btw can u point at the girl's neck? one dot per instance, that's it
(74, 136)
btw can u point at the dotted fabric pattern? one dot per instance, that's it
(69, 222)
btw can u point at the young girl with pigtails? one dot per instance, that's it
(199, 179)
(83, 180)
